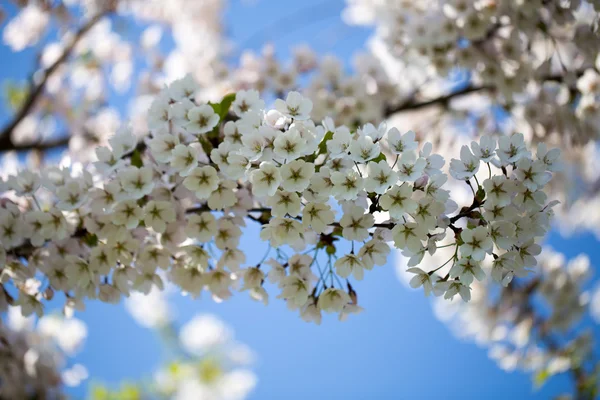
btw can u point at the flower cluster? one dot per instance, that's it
(537, 59)
(351, 99)
(522, 337)
(35, 355)
(178, 203)
(508, 213)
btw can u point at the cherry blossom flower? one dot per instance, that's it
(295, 106)
(203, 181)
(466, 167)
(476, 243)
(201, 119)
(356, 224)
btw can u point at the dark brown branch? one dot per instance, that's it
(412, 104)
(465, 212)
(441, 100)
(35, 90)
(40, 146)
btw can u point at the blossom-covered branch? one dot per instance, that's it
(178, 203)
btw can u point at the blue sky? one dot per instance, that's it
(396, 349)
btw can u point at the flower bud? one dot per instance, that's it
(48, 293)
(421, 182)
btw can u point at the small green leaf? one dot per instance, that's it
(91, 240)
(15, 94)
(222, 108)
(380, 157)
(136, 159)
(540, 378)
(216, 107)
(480, 195)
(226, 105)
(322, 149)
(323, 145)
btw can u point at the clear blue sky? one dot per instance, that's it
(396, 349)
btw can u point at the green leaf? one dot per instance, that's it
(480, 195)
(222, 108)
(91, 240)
(15, 94)
(136, 159)
(226, 105)
(216, 107)
(323, 145)
(380, 157)
(322, 149)
(540, 378)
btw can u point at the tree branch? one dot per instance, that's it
(41, 146)
(415, 105)
(466, 211)
(35, 91)
(411, 104)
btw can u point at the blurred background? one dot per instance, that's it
(402, 346)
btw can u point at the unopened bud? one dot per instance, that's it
(48, 293)
(421, 182)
